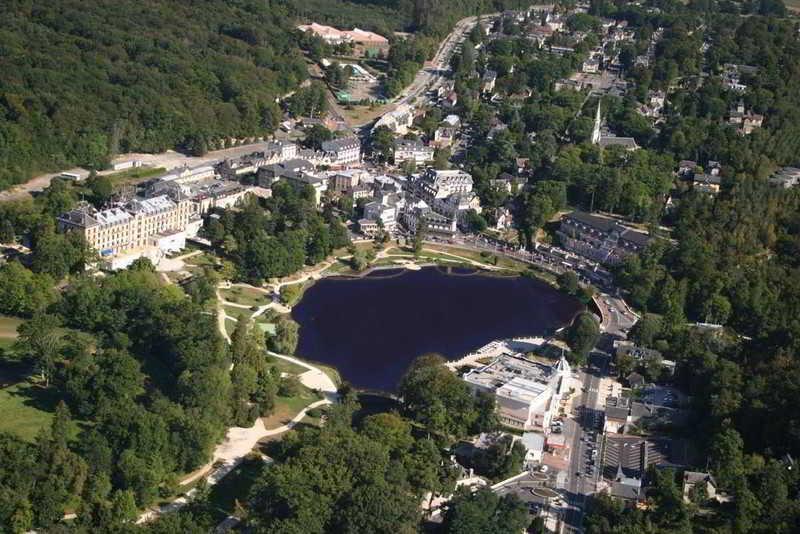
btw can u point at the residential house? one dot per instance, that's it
(707, 183)
(696, 479)
(378, 211)
(368, 227)
(440, 184)
(268, 174)
(786, 177)
(453, 121)
(359, 191)
(419, 213)
(686, 168)
(534, 447)
(444, 136)
(398, 120)
(617, 414)
(591, 65)
(341, 181)
(457, 206)
(635, 380)
(488, 81)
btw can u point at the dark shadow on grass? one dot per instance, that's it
(38, 397)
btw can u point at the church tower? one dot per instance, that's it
(596, 130)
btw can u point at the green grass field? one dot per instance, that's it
(26, 409)
(246, 296)
(8, 332)
(286, 408)
(8, 327)
(285, 366)
(133, 176)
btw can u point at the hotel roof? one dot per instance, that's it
(515, 370)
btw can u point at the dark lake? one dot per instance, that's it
(371, 328)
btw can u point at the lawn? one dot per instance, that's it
(26, 409)
(134, 176)
(236, 311)
(286, 408)
(204, 259)
(245, 295)
(8, 333)
(285, 366)
(482, 257)
(8, 327)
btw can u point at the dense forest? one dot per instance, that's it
(84, 81)
(430, 17)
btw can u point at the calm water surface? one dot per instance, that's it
(371, 328)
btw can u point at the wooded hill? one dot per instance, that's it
(84, 80)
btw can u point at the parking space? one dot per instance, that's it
(662, 396)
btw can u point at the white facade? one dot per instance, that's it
(527, 392)
(342, 151)
(398, 120)
(414, 151)
(438, 184)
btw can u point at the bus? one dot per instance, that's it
(74, 176)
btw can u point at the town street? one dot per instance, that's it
(583, 471)
(430, 77)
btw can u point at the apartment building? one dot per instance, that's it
(437, 184)
(599, 238)
(343, 151)
(412, 150)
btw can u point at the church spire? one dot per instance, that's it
(597, 121)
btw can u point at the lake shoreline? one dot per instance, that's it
(380, 328)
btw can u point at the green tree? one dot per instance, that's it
(582, 335)
(726, 457)
(419, 237)
(101, 187)
(286, 336)
(382, 143)
(484, 511)
(568, 282)
(436, 398)
(41, 342)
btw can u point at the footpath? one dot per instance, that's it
(240, 441)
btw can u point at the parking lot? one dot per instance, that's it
(661, 396)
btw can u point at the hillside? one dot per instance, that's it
(83, 80)
(433, 17)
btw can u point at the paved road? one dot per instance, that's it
(168, 160)
(431, 76)
(585, 437)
